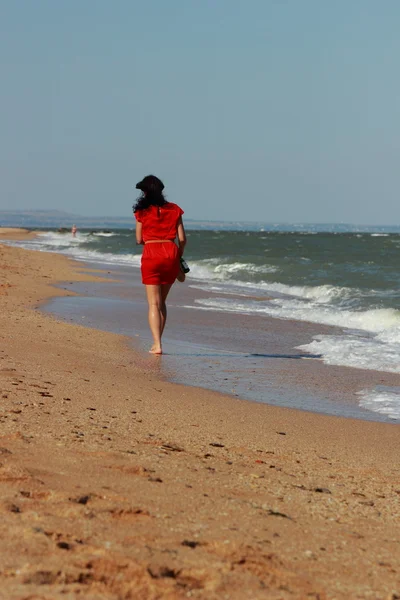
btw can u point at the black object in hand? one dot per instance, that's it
(184, 266)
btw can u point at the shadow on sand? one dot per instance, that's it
(232, 354)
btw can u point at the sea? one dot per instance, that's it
(349, 280)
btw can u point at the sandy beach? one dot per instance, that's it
(117, 484)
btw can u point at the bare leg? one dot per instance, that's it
(156, 317)
(164, 293)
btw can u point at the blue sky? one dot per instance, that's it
(262, 110)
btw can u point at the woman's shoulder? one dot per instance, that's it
(174, 207)
(139, 214)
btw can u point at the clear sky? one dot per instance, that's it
(261, 110)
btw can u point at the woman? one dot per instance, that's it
(158, 223)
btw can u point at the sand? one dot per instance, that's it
(116, 484)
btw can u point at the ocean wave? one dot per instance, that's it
(49, 242)
(321, 293)
(212, 269)
(60, 240)
(103, 234)
(369, 339)
(357, 351)
(340, 296)
(66, 243)
(384, 400)
(104, 258)
(383, 321)
(237, 290)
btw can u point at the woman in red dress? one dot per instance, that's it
(158, 224)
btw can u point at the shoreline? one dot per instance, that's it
(267, 369)
(261, 371)
(119, 483)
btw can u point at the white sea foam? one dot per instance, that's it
(357, 350)
(374, 320)
(236, 290)
(58, 240)
(213, 269)
(322, 294)
(104, 258)
(369, 339)
(103, 234)
(66, 243)
(383, 400)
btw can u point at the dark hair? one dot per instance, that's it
(151, 188)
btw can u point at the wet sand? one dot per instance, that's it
(115, 483)
(247, 356)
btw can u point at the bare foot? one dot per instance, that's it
(155, 349)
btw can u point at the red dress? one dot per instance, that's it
(160, 261)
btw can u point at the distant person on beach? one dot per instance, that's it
(73, 230)
(158, 224)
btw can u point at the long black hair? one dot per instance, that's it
(151, 188)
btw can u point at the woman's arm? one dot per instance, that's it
(139, 237)
(181, 236)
